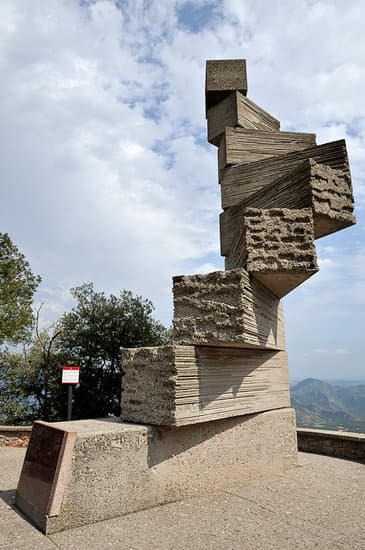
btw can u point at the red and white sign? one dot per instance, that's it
(70, 375)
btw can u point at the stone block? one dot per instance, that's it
(276, 246)
(179, 385)
(119, 468)
(223, 77)
(238, 110)
(241, 146)
(240, 181)
(326, 191)
(226, 308)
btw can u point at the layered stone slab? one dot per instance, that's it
(238, 110)
(241, 146)
(223, 77)
(326, 191)
(179, 385)
(240, 181)
(276, 246)
(226, 308)
(119, 468)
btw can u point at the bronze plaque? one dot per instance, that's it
(41, 466)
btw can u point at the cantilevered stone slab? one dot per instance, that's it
(239, 145)
(240, 181)
(326, 191)
(276, 246)
(223, 77)
(119, 468)
(238, 110)
(226, 308)
(179, 385)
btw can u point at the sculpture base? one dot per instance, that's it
(80, 472)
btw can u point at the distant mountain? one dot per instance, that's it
(322, 405)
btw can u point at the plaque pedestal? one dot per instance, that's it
(80, 472)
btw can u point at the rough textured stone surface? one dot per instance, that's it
(179, 385)
(238, 110)
(149, 384)
(326, 191)
(240, 181)
(226, 308)
(13, 441)
(276, 246)
(223, 77)
(239, 145)
(14, 436)
(118, 468)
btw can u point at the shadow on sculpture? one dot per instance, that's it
(170, 441)
(223, 376)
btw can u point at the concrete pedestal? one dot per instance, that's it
(76, 473)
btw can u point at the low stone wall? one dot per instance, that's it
(339, 444)
(14, 436)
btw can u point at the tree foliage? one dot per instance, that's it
(30, 382)
(90, 335)
(17, 287)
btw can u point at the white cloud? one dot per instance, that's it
(342, 351)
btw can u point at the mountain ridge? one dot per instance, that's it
(319, 404)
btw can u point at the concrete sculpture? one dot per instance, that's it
(280, 191)
(212, 409)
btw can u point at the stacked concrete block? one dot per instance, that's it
(227, 358)
(276, 246)
(238, 110)
(178, 385)
(212, 408)
(223, 77)
(325, 190)
(279, 192)
(241, 146)
(227, 309)
(240, 181)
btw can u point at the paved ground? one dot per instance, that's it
(319, 505)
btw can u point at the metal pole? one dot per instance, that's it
(69, 405)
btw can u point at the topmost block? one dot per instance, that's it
(223, 77)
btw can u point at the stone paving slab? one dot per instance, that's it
(15, 531)
(219, 521)
(318, 505)
(330, 505)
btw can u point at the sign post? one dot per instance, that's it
(70, 375)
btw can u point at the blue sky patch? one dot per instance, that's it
(194, 17)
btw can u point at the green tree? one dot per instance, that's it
(30, 382)
(15, 407)
(91, 336)
(17, 287)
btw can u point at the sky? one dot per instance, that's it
(106, 173)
